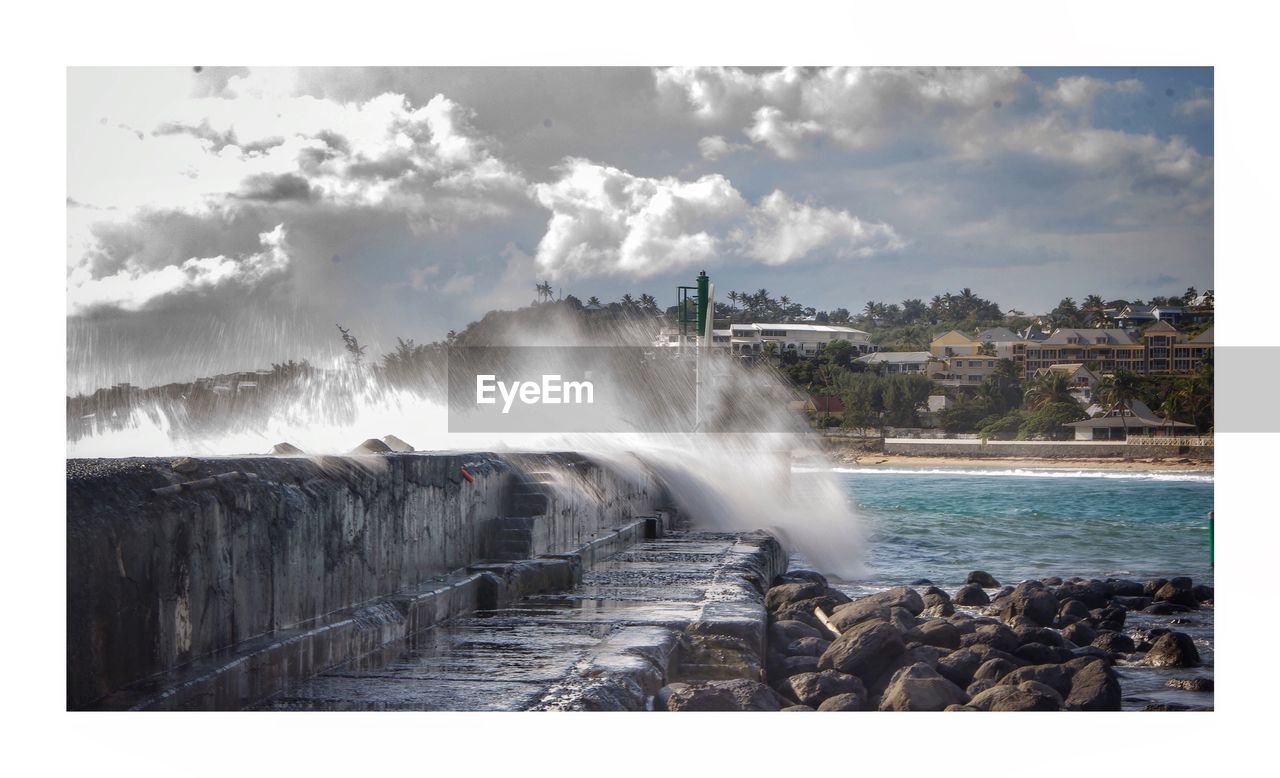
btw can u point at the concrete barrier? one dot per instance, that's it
(218, 585)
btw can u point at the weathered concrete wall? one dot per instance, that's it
(1041, 449)
(158, 580)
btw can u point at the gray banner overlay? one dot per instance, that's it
(1246, 382)
(610, 389)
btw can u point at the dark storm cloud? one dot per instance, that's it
(267, 188)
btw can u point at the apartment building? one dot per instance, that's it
(910, 362)
(802, 339)
(1107, 349)
(1189, 355)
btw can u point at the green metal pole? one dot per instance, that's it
(1210, 538)
(703, 292)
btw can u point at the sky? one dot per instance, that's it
(225, 218)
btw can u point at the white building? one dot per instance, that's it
(803, 339)
(917, 362)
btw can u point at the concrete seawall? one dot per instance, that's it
(217, 586)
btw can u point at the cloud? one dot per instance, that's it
(1078, 92)
(133, 288)
(714, 147)
(606, 220)
(1199, 105)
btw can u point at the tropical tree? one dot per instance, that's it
(1119, 390)
(1049, 387)
(353, 347)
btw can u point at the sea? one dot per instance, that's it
(939, 523)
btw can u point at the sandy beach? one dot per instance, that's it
(853, 456)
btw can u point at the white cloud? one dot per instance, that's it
(133, 288)
(714, 147)
(1198, 105)
(606, 220)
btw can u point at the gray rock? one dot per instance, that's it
(781, 667)
(1031, 601)
(1174, 649)
(994, 669)
(814, 688)
(1131, 603)
(1191, 684)
(960, 665)
(284, 449)
(1013, 698)
(753, 695)
(807, 647)
(979, 686)
(843, 702)
(1178, 595)
(1094, 687)
(371, 446)
(1056, 677)
(1040, 654)
(783, 632)
(856, 612)
(864, 650)
(995, 635)
(1074, 610)
(1114, 642)
(800, 576)
(970, 595)
(981, 578)
(697, 697)
(397, 445)
(782, 594)
(797, 709)
(920, 688)
(184, 465)
(940, 633)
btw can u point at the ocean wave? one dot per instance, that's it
(1192, 476)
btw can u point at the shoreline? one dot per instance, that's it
(853, 458)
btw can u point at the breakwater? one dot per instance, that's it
(215, 583)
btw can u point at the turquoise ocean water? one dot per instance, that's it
(938, 524)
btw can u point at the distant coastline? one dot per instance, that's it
(867, 459)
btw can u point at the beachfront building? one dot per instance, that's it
(1188, 356)
(1158, 340)
(1081, 378)
(968, 370)
(953, 343)
(1123, 422)
(1107, 350)
(1000, 342)
(910, 362)
(801, 339)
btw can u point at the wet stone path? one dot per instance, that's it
(625, 620)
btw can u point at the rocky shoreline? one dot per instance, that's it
(1043, 645)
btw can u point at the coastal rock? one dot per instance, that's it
(1080, 633)
(1165, 608)
(1052, 580)
(1040, 654)
(843, 702)
(807, 647)
(1174, 649)
(959, 666)
(697, 697)
(904, 622)
(940, 610)
(848, 616)
(1114, 642)
(1108, 615)
(371, 446)
(1035, 687)
(285, 449)
(397, 445)
(797, 609)
(1013, 698)
(1131, 603)
(1177, 595)
(1032, 601)
(801, 576)
(782, 594)
(978, 687)
(971, 595)
(1203, 593)
(935, 591)
(920, 688)
(783, 632)
(1074, 610)
(1092, 593)
(1094, 687)
(940, 633)
(1093, 652)
(1191, 684)
(994, 669)
(864, 650)
(901, 597)
(780, 667)
(1150, 588)
(814, 688)
(982, 579)
(995, 635)
(1056, 677)
(940, 600)
(752, 695)
(797, 709)
(1121, 587)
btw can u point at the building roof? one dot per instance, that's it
(1113, 336)
(996, 335)
(953, 336)
(796, 327)
(1204, 337)
(1137, 415)
(898, 357)
(1159, 327)
(827, 404)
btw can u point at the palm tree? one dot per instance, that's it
(1049, 387)
(648, 303)
(593, 300)
(1119, 390)
(544, 291)
(733, 302)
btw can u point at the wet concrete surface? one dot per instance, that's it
(604, 644)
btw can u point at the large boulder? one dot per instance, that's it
(696, 697)
(1191, 684)
(780, 666)
(782, 594)
(1121, 587)
(981, 578)
(1056, 677)
(971, 595)
(813, 689)
(800, 609)
(848, 616)
(781, 633)
(920, 687)
(1131, 603)
(1079, 633)
(1174, 649)
(800, 576)
(995, 635)
(1032, 601)
(806, 647)
(1203, 593)
(1040, 654)
(1178, 595)
(1094, 687)
(1092, 593)
(901, 597)
(994, 669)
(1150, 588)
(1073, 610)
(959, 666)
(1114, 642)
(753, 695)
(940, 633)
(843, 702)
(864, 650)
(1013, 698)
